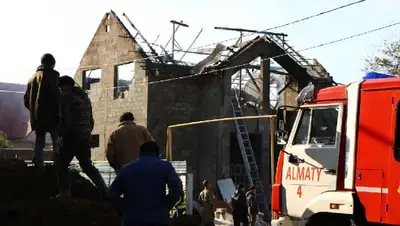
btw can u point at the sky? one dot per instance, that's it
(65, 28)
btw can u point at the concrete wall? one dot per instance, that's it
(187, 100)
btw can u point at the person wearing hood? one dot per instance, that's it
(253, 205)
(239, 207)
(42, 98)
(75, 129)
(124, 143)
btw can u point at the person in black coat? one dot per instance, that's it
(239, 207)
(42, 99)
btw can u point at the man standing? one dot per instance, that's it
(253, 205)
(42, 100)
(207, 202)
(124, 142)
(143, 186)
(76, 125)
(239, 206)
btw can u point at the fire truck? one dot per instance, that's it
(341, 160)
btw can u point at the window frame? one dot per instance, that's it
(340, 107)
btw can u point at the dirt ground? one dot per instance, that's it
(26, 199)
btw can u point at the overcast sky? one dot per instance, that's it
(65, 28)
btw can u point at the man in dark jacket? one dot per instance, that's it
(42, 100)
(143, 186)
(239, 207)
(253, 205)
(75, 128)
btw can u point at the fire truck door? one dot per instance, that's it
(311, 167)
(368, 184)
(392, 190)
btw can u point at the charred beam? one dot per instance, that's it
(250, 31)
(143, 38)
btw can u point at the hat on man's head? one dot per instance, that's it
(48, 60)
(65, 80)
(206, 183)
(126, 116)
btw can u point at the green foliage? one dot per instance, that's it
(4, 142)
(387, 59)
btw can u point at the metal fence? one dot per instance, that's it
(109, 175)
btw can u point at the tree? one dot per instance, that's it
(4, 142)
(387, 59)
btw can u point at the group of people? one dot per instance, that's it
(59, 107)
(64, 110)
(244, 205)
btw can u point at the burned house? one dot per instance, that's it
(122, 74)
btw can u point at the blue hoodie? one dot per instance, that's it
(143, 186)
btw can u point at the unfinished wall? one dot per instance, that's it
(112, 46)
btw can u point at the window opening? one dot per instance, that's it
(91, 79)
(108, 28)
(124, 78)
(317, 126)
(95, 140)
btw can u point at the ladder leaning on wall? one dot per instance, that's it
(247, 153)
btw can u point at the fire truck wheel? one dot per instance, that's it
(330, 220)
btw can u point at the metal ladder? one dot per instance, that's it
(246, 150)
(296, 56)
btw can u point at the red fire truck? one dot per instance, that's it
(341, 162)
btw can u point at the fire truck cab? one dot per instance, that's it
(341, 162)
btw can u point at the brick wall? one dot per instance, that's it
(106, 51)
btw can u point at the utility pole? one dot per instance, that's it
(173, 35)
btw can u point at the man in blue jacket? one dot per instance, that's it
(142, 184)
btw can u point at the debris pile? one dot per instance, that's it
(26, 199)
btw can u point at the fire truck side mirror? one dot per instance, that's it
(285, 118)
(281, 137)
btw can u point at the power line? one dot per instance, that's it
(242, 65)
(285, 24)
(215, 43)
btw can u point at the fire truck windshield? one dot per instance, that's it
(317, 126)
